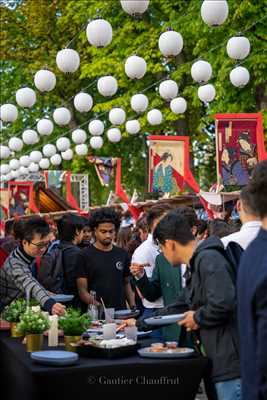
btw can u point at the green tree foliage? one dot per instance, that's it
(33, 31)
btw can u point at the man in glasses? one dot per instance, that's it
(16, 277)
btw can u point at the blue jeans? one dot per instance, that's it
(229, 390)
(156, 333)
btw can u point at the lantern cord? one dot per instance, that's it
(77, 34)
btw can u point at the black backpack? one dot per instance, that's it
(233, 253)
(50, 272)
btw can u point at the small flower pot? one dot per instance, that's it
(34, 342)
(14, 330)
(71, 339)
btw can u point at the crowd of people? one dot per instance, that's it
(167, 262)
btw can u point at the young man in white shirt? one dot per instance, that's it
(250, 219)
(146, 254)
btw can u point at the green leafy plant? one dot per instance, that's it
(14, 310)
(73, 323)
(33, 322)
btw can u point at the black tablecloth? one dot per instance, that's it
(21, 378)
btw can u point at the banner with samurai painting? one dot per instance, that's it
(239, 146)
(104, 168)
(166, 165)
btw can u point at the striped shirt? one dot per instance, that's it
(16, 280)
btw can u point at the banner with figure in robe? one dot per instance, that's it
(166, 165)
(239, 147)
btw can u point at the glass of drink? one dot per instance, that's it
(131, 333)
(109, 314)
(109, 331)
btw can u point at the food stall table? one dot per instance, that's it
(21, 378)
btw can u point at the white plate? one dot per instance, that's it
(55, 357)
(62, 298)
(166, 354)
(164, 319)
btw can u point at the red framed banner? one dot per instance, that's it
(169, 168)
(21, 198)
(239, 147)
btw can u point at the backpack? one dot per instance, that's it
(50, 271)
(233, 253)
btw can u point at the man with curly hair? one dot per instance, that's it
(105, 267)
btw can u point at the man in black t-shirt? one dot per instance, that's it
(105, 267)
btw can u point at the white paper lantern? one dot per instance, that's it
(67, 155)
(135, 67)
(4, 152)
(201, 71)
(8, 177)
(49, 150)
(135, 7)
(78, 136)
(14, 163)
(96, 127)
(168, 89)
(44, 163)
(178, 105)
(56, 159)
(214, 12)
(154, 117)
(114, 135)
(117, 116)
(107, 85)
(81, 149)
(33, 167)
(170, 43)
(133, 126)
(238, 47)
(36, 156)
(30, 137)
(45, 80)
(206, 93)
(8, 113)
(25, 97)
(4, 169)
(24, 170)
(99, 33)
(25, 161)
(139, 102)
(83, 102)
(63, 144)
(62, 116)
(45, 127)
(68, 60)
(15, 174)
(96, 142)
(239, 76)
(15, 144)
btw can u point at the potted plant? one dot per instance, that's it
(12, 314)
(73, 323)
(32, 325)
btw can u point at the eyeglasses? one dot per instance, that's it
(41, 245)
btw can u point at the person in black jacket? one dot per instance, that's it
(211, 296)
(252, 298)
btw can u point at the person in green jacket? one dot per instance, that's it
(165, 282)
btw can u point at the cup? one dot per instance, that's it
(109, 331)
(109, 314)
(131, 333)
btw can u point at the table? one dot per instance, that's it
(22, 379)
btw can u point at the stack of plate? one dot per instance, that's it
(55, 357)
